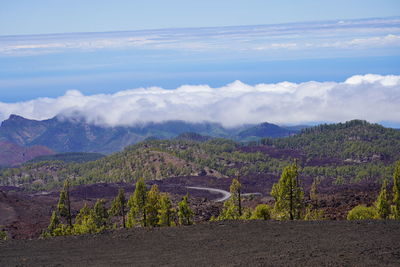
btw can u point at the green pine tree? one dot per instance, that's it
(312, 211)
(232, 209)
(165, 212)
(288, 194)
(185, 213)
(382, 203)
(56, 228)
(64, 204)
(137, 204)
(118, 206)
(54, 224)
(152, 206)
(100, 215)
(85, 223)
(396, 192)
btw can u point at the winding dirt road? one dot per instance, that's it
(226, 194)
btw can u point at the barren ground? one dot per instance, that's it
(253, 243)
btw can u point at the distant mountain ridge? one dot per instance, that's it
(69, 135)
(265, 130)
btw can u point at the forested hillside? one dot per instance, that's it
(353, 141)
(341, 153)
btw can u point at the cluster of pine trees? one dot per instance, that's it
(145, 208)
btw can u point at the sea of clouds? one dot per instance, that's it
(371, 97)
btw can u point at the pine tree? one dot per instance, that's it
(185, 213)
(232, 209)
(312, 211)
(152, 206)
(396, 191)
(314, 193)
(56, 228)
(100, 215)
(137, 204)
(85, 223)
(64, 204)
(288, 194)
(54, 223)
(382, 203)
(118, 206)
(165, 212)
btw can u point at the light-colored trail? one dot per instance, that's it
(225, 194)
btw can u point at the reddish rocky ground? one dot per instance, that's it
(12, 154)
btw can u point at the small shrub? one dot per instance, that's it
(246, 214)
(314, 214)
(3, 235)
(262, 212)
(362, 212)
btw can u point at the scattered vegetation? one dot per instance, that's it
(382, 208)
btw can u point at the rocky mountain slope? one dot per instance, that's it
(75, 135)
(12, 154)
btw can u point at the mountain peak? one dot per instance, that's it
(15, 117)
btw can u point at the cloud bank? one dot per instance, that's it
(371, 97)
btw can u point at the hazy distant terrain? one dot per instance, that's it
(69, 135)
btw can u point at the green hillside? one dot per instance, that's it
(355, 140)
(341, 153)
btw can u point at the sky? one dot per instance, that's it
(161, 60)
(59, 16)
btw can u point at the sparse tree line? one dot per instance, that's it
(144, 208)
(289, 201)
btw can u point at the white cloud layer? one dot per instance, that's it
(372, 97)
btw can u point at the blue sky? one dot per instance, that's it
(105, 47)
(50, 16)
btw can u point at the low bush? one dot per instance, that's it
(362, 212)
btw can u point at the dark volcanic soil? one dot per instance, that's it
(253, 243)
